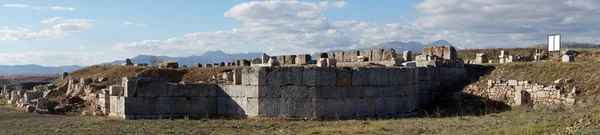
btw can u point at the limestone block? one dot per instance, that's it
(32, 95)
(328, 108)
(115, 90)
(331, 62)
(322, 62)
(481, 58)
(254, 76)
(236, 106)
(252, 107)
(331, 55)
(163, 105)
(450, 53)
(366, 53)
(319, 76)
(302, 108)
(151, 87)
(339, 56)
(208, 65)
(270, 91)
(360, 76)
(237, 76)
(133, 106)
(269, 107)
(252, 91)
(388, 54)
(290, 59)
(403, 104)
(244, 62)
(424, 97)
(328, 92)
(303, 59)
(322, 55)
(366, 107)
(287, 109)
(350, 56)
(352, 108)
(394, 77)
(232, 90)
(568, 58)
(129, 87)
(42, 103)
(378, 76)
(147, 105)
(294, 92)
(254, 61)
(407, 56)
(380, 109)
(344, 77)
(356, 91)
(377, 55)
(265, 58)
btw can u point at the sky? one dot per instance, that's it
(70, 32)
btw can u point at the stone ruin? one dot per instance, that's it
(34, 96)
(568, 56)
(326, 88)
(127, 62)
(168, 64)
(525, 93)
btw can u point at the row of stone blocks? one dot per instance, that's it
(352, 56)
(329, 76)
(312, 108)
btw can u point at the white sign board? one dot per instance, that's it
(554, 42)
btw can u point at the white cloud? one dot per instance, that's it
(132, 23)
(15, 5)
(56, 8)
(50, 58)
(510, 22)
(61, 26)
(279, 26)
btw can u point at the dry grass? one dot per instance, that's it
(510, 122)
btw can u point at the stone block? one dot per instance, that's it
(344, 77)
(32, 95)
(252, 107)
(378, 76)
(513, 82)
(380, 109)
(328, 108)
(410, 64)
(265, 58)
(232, 90)
(270, 107)
(319, 76)
(252, 91)
(116, 90)
(328, 92)
(303, 59)
(339, 56)
(322, 62)
(294, 92)
(302, 108)
(331, 55)
(237, 76)
(568, 58)
(254, 76)
(350, 56)
(377, 55)
(388, 54)
(367, 53)
(290, 59)
(270, 91)
(129, 87)
(407, 56)
(331, 62)
(360, 76)
(180, 105)
(42, 104)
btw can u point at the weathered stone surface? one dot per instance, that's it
(237, 76)
(388, 54)
(290, 59)
(168, 64)
(303, 59)
(319, 76)
(360, 76)
(407, 55)
(254, 76)
(322, 62)
(344, 77)
(256, 61)
(445, 52)
(568, 58)
(198, 65)
(273, 62)
(265, 58)
(367, 53)
(208, 65)
(481, 58)
(350, 56)
(151, 87)
(281, 59)
(331, 62)
(377, 55)
(339, 56)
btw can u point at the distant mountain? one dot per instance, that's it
(206, 58)
(412, 46)
(570, 45)
(36, 69)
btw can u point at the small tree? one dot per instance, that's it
(154, 61)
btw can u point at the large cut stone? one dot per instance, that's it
(303, 59)
(377, 55)
(388, 54)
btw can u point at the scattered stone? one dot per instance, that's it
(388, 54)
(127, 62)
(30, 108)
(141, 65)
(481, 58)
(407, 55)
(568, 58)
(265, 58)
(273, 62)
(169, 64)
(198, 65)
(256, 61)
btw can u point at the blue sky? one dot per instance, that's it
(66, 32)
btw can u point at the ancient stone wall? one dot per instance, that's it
(518, 92)
(296, 92)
